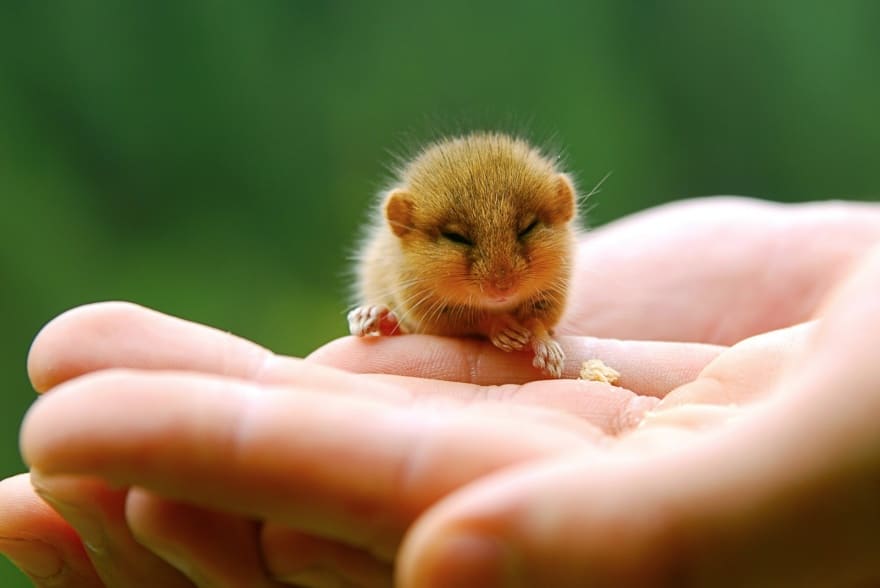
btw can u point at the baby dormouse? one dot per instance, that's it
(475, 237)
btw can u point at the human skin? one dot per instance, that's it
(534, 477)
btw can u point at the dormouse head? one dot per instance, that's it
(487, 216)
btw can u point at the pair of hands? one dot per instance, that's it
(176, 455)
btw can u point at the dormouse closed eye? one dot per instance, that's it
(456, 237)
(528, 229)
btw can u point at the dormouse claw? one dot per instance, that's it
(549, 356)
(372, 320)
(512, 337)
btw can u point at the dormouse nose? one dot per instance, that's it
(502, 279)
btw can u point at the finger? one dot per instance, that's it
(39, 542)
(115, 334)
(97, 513)
(786, 496)
(213, 549)
(648, 368)
(120, 334)
(275, 453)
(299, 558)
(108, 335)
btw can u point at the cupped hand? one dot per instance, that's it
(716, 485)
(514, 493)
(342, 464)
(312, 449)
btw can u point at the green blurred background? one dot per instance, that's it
(214, 160)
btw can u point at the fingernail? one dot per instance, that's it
(35, 558)
(466, 560)
(87, 526)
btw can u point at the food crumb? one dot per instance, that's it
(595, 370)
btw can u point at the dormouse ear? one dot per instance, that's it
(562, 205)
(399, 211)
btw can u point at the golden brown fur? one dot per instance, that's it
(475, 238)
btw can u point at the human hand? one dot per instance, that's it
(92, 340)
(482, 372)
(518, 497)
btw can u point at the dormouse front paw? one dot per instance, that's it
(509, 335)
(549, 356)
(372, 320)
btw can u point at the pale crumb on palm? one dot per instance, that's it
(595, 370)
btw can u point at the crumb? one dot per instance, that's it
(595, 370)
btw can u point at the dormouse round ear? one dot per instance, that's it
(399, 211)
(562, 205)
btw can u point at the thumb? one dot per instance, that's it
(784, 495)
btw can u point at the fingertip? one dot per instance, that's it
(438, 553)
(40, 430)
(38, 541)
(457, 543)
(52, 359)
(461, 559)
(70, 427)
(146, 513)
(22, 507)
(162, 526)
(29, 439)
(34, 558)
(108, 335)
